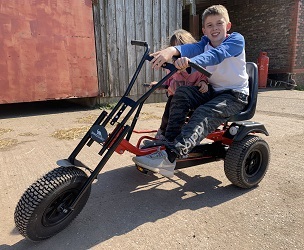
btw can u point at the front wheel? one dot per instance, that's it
(246, 161)
(43, 210)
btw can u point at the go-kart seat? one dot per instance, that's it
(248, 112)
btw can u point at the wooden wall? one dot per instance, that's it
(117, 22)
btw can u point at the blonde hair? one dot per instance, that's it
(215, 10)
(180, 37)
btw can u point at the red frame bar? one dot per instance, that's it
(126, 145)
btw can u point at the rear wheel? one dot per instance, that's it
(246, 161)
(43, 210)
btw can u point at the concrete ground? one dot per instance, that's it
(197, 209)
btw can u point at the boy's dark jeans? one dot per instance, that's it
(211, 109)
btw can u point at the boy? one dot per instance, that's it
(224, 56)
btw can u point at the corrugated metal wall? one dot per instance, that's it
(117, 22)
(47, 50)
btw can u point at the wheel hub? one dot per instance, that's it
(58, 210)
(253, 163)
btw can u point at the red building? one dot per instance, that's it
(47, 50)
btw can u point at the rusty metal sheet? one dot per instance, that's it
(47, 50)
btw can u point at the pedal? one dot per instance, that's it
(142, 170)
(153, 143)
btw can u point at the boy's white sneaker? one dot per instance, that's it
(157, 162)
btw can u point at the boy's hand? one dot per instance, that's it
(203, 86)
(163, 56)
(182, 63)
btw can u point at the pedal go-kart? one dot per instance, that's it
(54, 200)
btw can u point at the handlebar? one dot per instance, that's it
(160, 87)
(139, 43)
(171, 66)
(200, 69)
(146, 84)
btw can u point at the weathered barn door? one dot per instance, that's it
(47, 50)
(117, 22)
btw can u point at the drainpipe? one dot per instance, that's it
(293, 35)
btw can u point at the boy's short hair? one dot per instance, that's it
(215, 10)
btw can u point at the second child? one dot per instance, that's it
(180, 37)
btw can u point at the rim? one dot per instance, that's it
(58, 210)
(253, 163)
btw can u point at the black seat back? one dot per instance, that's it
(248, 112)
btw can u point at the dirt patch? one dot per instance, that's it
(4, 130)
(28, 134)
(7, 143)
(87, 119)
(78, 133)
(71, 133)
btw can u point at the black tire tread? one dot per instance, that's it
(234, 160)
(40, 189)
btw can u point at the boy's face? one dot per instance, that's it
(215, 28)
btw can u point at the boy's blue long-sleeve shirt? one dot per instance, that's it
(226, 62)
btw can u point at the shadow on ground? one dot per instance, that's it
(40, 108)
(124, 199)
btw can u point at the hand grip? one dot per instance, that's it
(200, 69)
(139, 43)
